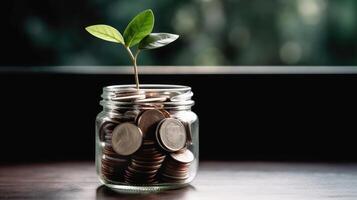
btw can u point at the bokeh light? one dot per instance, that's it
(213, 32)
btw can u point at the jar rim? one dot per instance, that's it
(182, 94)
(148, 87)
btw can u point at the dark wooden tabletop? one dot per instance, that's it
(216, 180)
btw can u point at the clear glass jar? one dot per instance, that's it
(147, 139)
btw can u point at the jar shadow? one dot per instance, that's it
(105, 193)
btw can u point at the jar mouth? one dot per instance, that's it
(148, 87)
(148, 96)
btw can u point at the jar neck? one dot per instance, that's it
(149, 96)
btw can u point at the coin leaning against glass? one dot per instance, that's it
(171, 135)
(126, 139)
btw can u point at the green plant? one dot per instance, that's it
(137, 33)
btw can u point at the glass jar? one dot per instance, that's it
(146, 139)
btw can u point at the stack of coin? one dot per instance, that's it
(145, 164)
(105, 130)
(113, 166)
(176, 167)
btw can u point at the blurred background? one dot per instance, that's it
(213, 32)
(264, 114)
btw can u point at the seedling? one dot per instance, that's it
(137, 33)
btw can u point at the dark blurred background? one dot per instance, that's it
(46, 115)
(213, 32)
(242, 117)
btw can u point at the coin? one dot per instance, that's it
(146, 167)
(185, 176)
(135, 176)
(128, 95)
(105, 129)
(178, 173)
(113, 168)
(109, 151)
(187, 119)
(171, 135)
(148, 162)
(145, 164)
(127, 139)
(148, 120)
(126, 90)
(131, 114)
(185, 156)
(115, 160)
(176, 168)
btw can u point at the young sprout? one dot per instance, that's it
(137, 33)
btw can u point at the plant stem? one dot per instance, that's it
(133, 60)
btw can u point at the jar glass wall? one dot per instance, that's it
(146, 139)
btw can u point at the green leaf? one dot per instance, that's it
(139, 27)
(157, 40)
(106, 32)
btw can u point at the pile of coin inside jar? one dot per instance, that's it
(147, 145)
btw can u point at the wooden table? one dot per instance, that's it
(216, 180)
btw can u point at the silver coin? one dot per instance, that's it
(171, 135)
(127, 139)
(187, 118)
(183, 156)
(129, 97)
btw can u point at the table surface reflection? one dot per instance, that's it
(215, 180)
